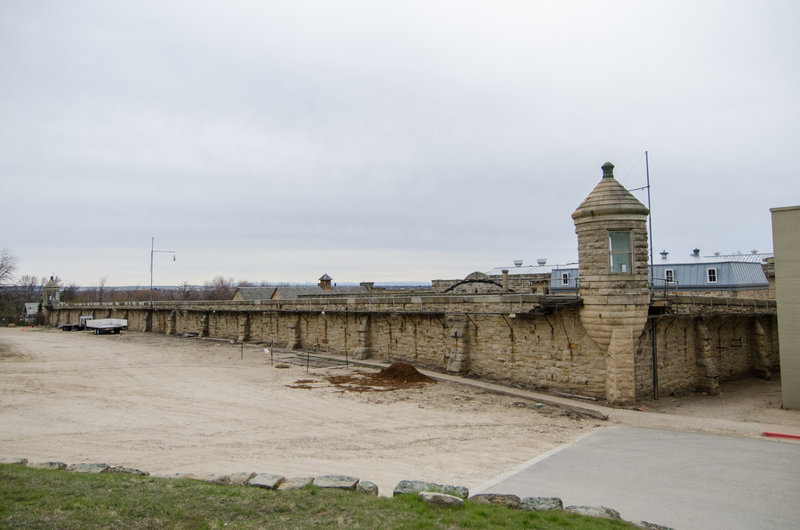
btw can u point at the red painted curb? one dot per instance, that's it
(782, 435)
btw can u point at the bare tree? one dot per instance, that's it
(101, 287)
(8, 265)
(70, 293)
(31, 287)
(218, 289)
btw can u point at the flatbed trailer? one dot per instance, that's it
(80, 326)
(107, 325)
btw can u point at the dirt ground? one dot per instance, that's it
(176, 405)
(747, 400)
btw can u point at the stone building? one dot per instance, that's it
(325, 287)
(742, 276)
(609, 341)
(787, 275)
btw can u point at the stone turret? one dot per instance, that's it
(50, 293)
(611, 225)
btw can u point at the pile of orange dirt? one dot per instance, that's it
(398, 375)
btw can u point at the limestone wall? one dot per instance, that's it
(699, 347)
(521, 340)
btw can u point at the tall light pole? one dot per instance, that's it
(152, 252)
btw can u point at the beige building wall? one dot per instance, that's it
(786, 245)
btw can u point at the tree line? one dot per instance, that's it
(16, 291)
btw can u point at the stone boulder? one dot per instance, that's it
(538, 504)
(295, 483)
(339, 482)
(241, 478)
(22, 461)
(127, 471)
(594, 511)
(434, 498)
(417, 486)
(367, 488)
(509, 501)
(47, 465)
(266, 481)
(88, 468)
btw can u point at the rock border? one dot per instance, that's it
(436, 495)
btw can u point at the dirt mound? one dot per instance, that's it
(398, 375)
(403, 372)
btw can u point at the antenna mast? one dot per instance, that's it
(649, 220)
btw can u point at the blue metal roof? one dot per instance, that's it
(692, 275)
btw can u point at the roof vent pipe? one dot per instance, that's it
(696, 253)
(541, 261)
(518, 263)
(664, 254)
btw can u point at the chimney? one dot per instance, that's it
(505, 279)
(608, 170)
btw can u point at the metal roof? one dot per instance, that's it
(722, 258)
(292, 292)
(692, 273)
(256, 293)
(528, 269)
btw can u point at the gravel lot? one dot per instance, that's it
(174, 405)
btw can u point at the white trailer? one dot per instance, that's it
(107, 325)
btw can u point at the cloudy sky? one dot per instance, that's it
(383, 141)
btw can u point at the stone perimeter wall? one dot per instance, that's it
(505, 338)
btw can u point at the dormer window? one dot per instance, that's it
(620, 252)
(669, 275)
(711, 275)
(564, 278)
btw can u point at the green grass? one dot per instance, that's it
(35, 498)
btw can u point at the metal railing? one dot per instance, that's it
(667, 283)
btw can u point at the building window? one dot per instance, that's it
(565, 278)
(669, 275)
(711, 275)
(620, 246)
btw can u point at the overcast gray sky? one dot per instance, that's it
(380, 141)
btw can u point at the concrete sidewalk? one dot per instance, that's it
(678, 479)
(674, 470)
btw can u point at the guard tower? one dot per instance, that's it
(50, 293)
(611, 225)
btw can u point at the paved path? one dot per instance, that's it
(678, 479)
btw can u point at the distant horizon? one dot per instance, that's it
(276, 141)
(237, 285)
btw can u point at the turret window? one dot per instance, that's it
(620, 251)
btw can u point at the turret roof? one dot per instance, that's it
(608, 197)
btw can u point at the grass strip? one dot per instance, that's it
(36, 498)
